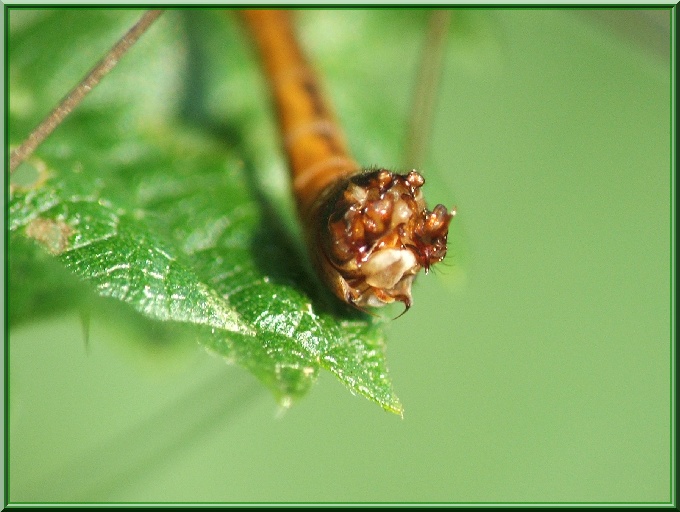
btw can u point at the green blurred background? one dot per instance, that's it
(535, 367)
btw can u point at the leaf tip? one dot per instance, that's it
(395, 408)
(285, 403)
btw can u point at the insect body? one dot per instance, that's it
(369, 232)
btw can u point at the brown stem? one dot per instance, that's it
(78, 93)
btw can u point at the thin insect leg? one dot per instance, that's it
(425, 92)
(78, 93)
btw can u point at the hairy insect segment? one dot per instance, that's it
(376, 234)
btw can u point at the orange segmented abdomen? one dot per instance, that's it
(314, 144)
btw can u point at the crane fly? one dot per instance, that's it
(368, 231)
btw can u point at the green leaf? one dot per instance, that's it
(151, 197)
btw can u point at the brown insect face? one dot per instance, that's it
(375, 234)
